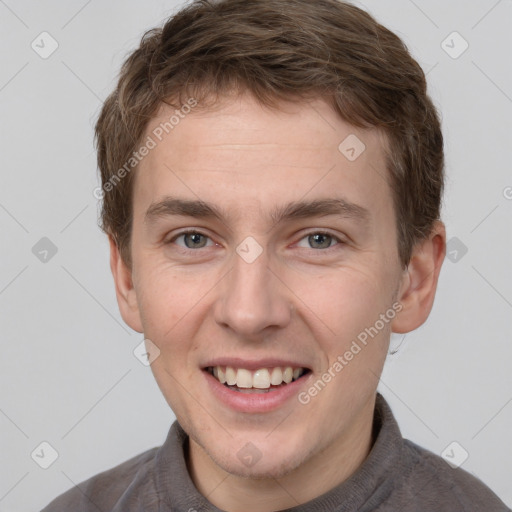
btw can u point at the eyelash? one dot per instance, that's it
(197, 232)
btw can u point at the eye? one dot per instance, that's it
(192, 239)
(320, 240)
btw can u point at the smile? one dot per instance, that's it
(262, 380)
(262, 389)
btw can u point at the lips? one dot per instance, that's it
(255, 400)
(255, 386)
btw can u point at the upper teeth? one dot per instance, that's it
(260, 379)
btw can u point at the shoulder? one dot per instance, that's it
(435, 485)
(102, 491)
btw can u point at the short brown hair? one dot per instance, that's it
(280, 50)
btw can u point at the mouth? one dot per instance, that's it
(262, 380)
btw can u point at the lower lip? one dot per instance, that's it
(255, 402)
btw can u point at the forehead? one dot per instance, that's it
(244, 124)
(240, 151)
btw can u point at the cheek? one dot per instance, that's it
(342, 303)
(166, 297)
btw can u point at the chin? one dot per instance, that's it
(266, 468)
(266, 460)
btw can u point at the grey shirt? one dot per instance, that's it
(398, 475)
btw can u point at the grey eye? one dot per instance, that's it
(318, 240)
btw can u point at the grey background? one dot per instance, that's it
(68, 375)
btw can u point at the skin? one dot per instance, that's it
(298, 297)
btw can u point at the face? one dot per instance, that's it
(295, 256)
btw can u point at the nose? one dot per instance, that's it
(252, 299)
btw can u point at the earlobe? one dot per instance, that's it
(419, 281)
(125, 291)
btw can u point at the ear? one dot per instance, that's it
(125, 292)
(419, 281)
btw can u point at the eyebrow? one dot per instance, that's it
(171, 206)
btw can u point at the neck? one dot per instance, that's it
(319, 474)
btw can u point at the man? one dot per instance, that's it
(272, 173)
